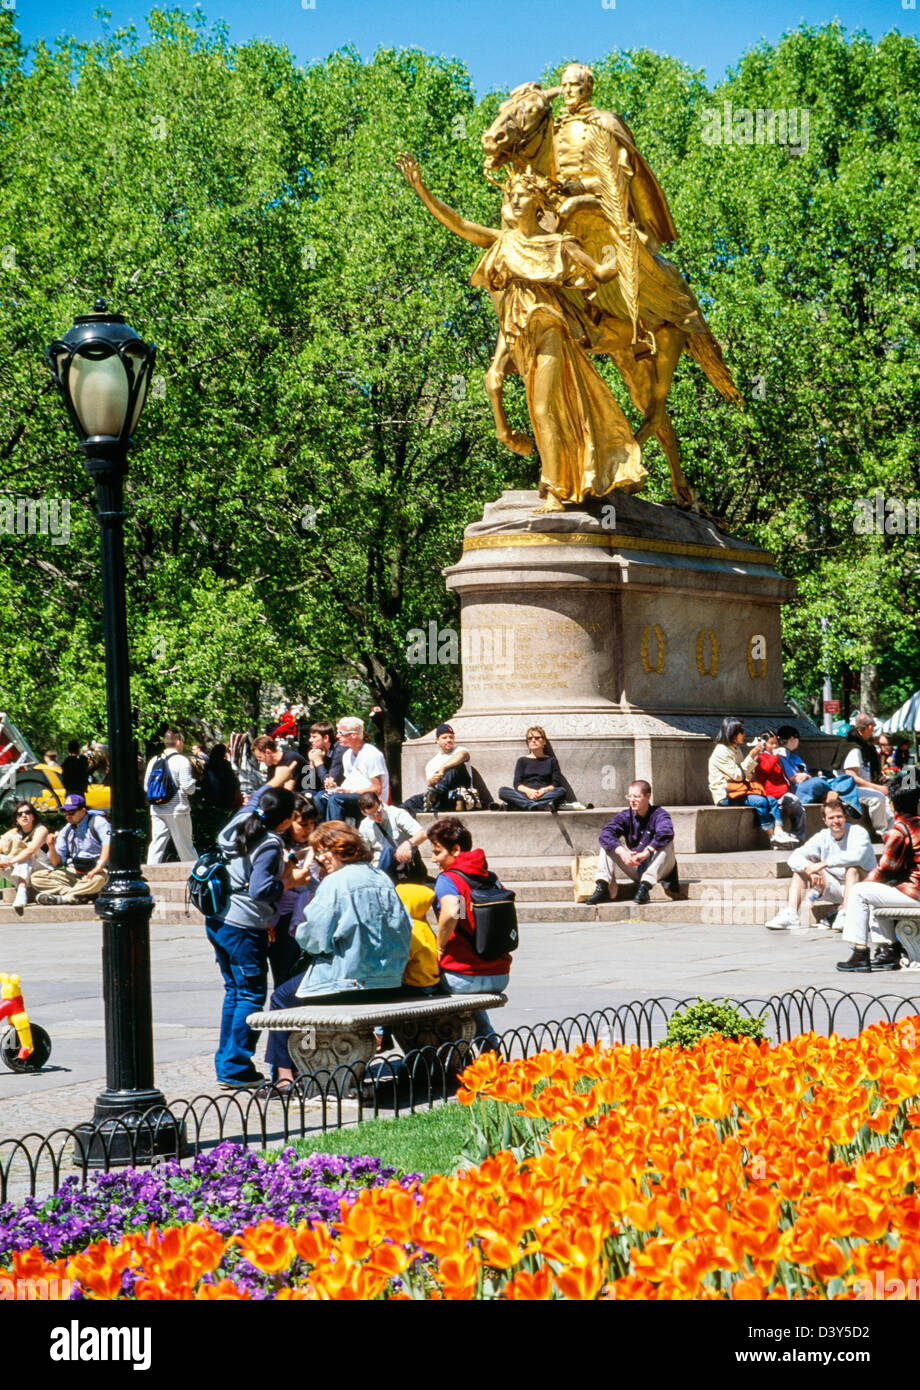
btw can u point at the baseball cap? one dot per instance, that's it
(443, 729)
(74, 802)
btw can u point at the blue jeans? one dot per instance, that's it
(477, 984)
(765, 808)
(815, 789)
(242, 954)
(519, 802)
(342, 804)
(283, 952)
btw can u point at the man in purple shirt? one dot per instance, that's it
(641, 842)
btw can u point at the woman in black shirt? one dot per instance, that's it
(538, 784)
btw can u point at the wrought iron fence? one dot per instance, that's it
(390, 1085)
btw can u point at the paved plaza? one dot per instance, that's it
(559, 970)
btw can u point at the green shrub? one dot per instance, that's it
(706, 1016)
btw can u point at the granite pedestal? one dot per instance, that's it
(628, 630)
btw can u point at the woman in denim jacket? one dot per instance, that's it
(356, 931)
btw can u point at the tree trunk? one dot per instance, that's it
(845, 691)
(868, 688)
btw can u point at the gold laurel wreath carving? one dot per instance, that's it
(713, 666)
(752, 664)
(658, 667)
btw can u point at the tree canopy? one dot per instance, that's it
(318, 435)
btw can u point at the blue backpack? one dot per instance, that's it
(160, 784)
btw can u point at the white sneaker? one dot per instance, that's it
(782, 837)
(21, 898)
(785, 920)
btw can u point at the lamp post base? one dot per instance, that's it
(129, 1128)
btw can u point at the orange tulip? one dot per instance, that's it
(533, 1287)
(269, 1247)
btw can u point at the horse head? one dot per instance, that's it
(522, 132)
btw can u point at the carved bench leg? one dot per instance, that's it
(415, 1034)
(325, 1049)
(907, 931)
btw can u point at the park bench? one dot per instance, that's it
(326, 1036)
(907, 927)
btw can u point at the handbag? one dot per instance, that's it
(737, 787)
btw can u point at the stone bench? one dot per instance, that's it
(907, 926)
(326, 1036)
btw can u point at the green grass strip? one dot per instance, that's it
(427, 1142)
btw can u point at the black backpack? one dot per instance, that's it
(209, 884)
(494, 924)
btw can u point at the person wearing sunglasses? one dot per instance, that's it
(22, 849)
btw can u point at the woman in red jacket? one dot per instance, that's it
(462, 970)
(771, 773)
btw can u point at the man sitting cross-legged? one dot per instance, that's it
(394, 837)
(78, 854)
(894, 883)
(447, 775)
(831, 863)
(641, 841)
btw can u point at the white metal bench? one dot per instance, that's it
(906, 928)
(326, 1036)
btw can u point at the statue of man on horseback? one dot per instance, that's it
(604, 217)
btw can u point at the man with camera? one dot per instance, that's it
(79, 854)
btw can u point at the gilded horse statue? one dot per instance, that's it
(607, 198)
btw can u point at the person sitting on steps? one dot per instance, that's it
(538, 784)
(895, 882)
(830, 864)
(771, 773)
(729, 782)
(23, 849)
(447, 778)
(641, 841)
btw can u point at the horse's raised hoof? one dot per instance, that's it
(689, 501)
(518, 443)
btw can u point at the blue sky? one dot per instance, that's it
(502, 42)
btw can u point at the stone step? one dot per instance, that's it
(167, 881)
(544, 891)
(34, 916)
(718, 904)
(766, 863)
(538, 834)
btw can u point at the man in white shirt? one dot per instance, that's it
(364, 769)
(858, 763)
(172, 819)
(393, 835)
(831, 863)
(447, 776)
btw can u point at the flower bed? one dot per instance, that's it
(227, 1188)
(732, 1170)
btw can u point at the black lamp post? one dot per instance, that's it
(102, 369)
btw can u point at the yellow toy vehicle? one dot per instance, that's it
(24, 1046)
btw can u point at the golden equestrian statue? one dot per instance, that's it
(609, 198)
(590, 257)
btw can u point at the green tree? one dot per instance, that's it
(318, 436)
